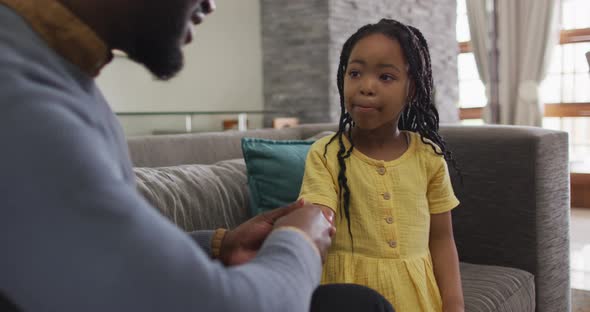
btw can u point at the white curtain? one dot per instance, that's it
(527, 32)
(479, 27)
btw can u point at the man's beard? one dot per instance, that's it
(163, 60)
(158, 46)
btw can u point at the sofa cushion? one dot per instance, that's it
(197, 197)
(497, 289)
(275, 171)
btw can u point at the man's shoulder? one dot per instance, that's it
(16, 35)
(24, 54)
(36, 87)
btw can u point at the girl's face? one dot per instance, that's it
(376, 82)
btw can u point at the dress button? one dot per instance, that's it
(392, 243)
(381, 170)
(389, 220)
(386, 196)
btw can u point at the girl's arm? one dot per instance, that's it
(446, 262)
(319, 187)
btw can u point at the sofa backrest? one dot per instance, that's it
(207, 148)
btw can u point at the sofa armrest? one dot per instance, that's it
(515, 203)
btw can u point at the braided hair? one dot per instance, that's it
(419, 115)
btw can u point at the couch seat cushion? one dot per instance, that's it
(493, 288)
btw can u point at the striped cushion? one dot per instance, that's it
(198, 197)
(493, 288)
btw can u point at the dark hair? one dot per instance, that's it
(419, 115)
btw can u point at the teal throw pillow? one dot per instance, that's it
(275, 171)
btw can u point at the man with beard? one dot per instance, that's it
(75, 235)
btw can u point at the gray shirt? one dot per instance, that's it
(75, 235)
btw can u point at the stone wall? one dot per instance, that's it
(302, 41)
(295, 45)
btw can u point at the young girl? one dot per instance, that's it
(384, 175)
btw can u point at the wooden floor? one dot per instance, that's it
(580, 300)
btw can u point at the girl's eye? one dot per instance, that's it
(387, 77)
(354, 74)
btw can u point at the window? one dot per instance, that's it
(565, 91)
(568, 73)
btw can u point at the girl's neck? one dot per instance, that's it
(383, 143)
(378, 137)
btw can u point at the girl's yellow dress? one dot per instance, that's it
(390, 207)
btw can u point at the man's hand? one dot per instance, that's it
(316, 222)
(241, 244)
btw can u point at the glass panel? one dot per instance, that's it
(580, 62)
(471, 94)
(568, 14)
(555, 63)
(579, 135)
(579, 129)
(567, 91)
(551, 89)
(463, 29)
(467, 67)
(552, 123)
(461, 7)
(582, 87)
(568, 58)
(582, 8)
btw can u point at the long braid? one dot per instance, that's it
(420, 115)
(425, 112)
(344, 128)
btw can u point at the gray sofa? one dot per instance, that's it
(512, 228)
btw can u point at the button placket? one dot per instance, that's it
(387, 221)
(392, 243)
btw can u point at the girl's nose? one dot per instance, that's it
(367, 87)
